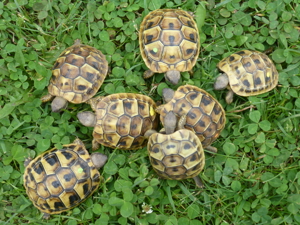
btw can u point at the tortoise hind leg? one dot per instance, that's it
(211, 149)
(159, 109)
(46, 216)
(198, 182)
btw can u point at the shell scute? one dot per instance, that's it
(136, 126)
(67, 178)
(153, 22)
(83, 187)
(191, 35)
(69, 71)
(125, 141)
(123, 125)
(151, 35)
(171, 38)
(42, 191)
(170, 23)
(155, 50)
(38, 173)
(75, 60)
(182, 106)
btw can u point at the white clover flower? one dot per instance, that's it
(146, 208)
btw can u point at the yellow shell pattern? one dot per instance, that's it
(169, 40)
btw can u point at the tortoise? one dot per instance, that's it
(204, 114)
(246, 73)
(169, 43)
(77, 75)
(121, 120)
(61, 179)
(176, 155)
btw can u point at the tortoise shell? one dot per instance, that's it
(169, 40)
(78, 73)
(123, 119)
(61, 179)
(249, 72)
(176, 156)
(204, 114)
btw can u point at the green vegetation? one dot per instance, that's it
(253, 179)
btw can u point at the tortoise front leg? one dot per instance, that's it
(148, 74)
(94, 101)
(159, 108)
(95, 145)
(47, 98)
(229, 96)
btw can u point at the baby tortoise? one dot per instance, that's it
(176, 155)
(246, 73)
(204, 114)
(77, 75)
(61, 179)
(169, 43)
(121, 120)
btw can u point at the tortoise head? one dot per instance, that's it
(87, 118)
(173, 76)
(98, 159)
(58, 104)
(170, 122)
(221, 82)
(168, 94)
